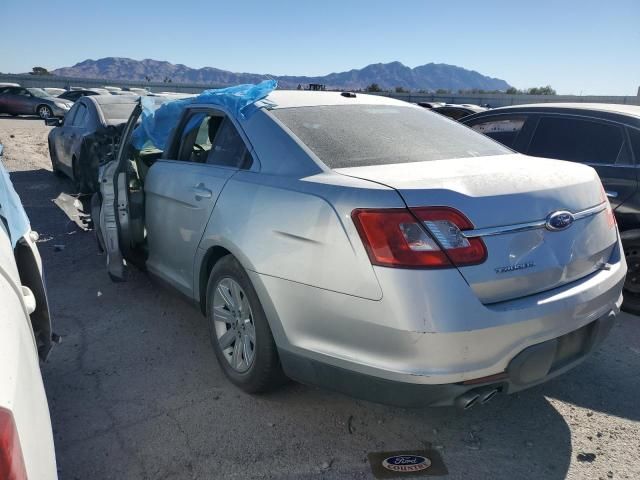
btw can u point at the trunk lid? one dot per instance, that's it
(510, 191)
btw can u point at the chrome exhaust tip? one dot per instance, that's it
(486, 396)
(467, 400)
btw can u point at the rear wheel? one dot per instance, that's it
(79, 181)
(55, 166)
(631, 291)
(44, 112)
(240, 333)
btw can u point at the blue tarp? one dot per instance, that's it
(156, 123)
(11, 207)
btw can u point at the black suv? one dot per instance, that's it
(604, 136)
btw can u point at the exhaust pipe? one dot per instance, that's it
(488, 394)
(473, 397)
(467, 400)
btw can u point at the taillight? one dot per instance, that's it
(11, 460)
(429, 237)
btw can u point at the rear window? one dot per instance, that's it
(117, 111)
(577, 140)
(361, 135)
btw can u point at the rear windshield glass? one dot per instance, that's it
(117, 111)
(360, 135)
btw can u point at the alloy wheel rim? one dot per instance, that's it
(44, 112)
(233, 323)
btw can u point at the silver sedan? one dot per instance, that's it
(369, 246)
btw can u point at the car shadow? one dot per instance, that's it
(608, 380)
(40, 190)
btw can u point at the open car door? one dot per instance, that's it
(111, 207)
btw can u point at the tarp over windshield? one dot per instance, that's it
(156, 123)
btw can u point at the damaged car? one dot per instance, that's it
(26, 439)
(87, 134)
(363, 244)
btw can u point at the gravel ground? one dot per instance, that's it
(135, 391)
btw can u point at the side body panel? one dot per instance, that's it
(179, 198)
(21, 387)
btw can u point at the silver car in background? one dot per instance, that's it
(369, 246)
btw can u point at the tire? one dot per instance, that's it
(54, 162)
(260, 370)
(78, 180)
(631, 289)
(44, 112)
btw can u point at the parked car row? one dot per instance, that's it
(51, 102)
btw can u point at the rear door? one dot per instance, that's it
(60, 133)
(72, 132)
(182, 189)
(601, 144)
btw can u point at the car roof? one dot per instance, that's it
(302, 98)
(111, 99)
(632, 110)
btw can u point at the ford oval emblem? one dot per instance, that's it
(559, 220)
(406, 463)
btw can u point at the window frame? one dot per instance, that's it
(86, 110)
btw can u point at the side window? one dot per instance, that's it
(68, 117)
(80, 115)
(228, 148)
(22, 92)
(501, 129)
(212, 139)
(577, 140)
(197, 136)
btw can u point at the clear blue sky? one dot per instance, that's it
(584, 46)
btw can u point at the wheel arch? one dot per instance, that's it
(212, 256)
(30, 276)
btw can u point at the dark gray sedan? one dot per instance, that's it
(32, 101)
(87, 135)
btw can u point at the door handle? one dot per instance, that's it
(611, 194)
(201, 191)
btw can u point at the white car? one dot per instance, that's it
(26, 439)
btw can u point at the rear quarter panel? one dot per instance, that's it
(299, 229)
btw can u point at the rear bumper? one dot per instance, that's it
(534, 365)
(429, 333)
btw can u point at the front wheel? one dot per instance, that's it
(240, 333)
(631, 289)
(44, 112)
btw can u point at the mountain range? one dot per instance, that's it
(431, 76)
